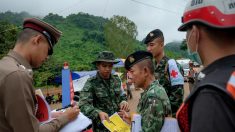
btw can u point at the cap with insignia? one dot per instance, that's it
(51, 33)
(105, 56)
(153, 35)
(136, 57)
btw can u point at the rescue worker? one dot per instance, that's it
(210, 27)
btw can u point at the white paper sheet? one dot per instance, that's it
(78, 124)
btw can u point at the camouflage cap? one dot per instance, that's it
(105, 56)
(136, 57)
(153, 35)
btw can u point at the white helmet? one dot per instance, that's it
(213, 13)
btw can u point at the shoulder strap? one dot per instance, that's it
(166, 71)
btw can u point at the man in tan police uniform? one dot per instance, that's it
(17, 97)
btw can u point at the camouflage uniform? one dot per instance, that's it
(101, 95)
(175, 93)
(154, 106)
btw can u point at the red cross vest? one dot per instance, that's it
(214, 79)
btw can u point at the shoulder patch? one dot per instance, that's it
(175, 76)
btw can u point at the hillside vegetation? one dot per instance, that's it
(84, 35)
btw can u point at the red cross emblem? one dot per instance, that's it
(174, 73)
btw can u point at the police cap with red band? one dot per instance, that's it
(51, 33)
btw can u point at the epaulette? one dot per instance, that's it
(151, 93)
(23, 68)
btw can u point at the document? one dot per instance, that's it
(78, 125)
(116, 124)
(136, 123)
(170, 125)
(43, 113)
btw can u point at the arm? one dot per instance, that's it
(86, 102)
(20, 110)
(19, 104)
(123, 98)
(59, 121)
(54, 125)
(152, 115)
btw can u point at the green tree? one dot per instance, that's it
(82, 39)
(183, 45)
(93, 35)
(86, 21)
(14, 18)
(47, 72)
(53, 19)
(172, 54)
(120, 36)
(8, 33)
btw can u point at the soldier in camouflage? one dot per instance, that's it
(102, 95)
(154, 104)
(155, 44)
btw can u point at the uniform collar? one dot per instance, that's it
(162, 61)
(21, 60)
(212, 70)
(222, 62)
(149, 87)
(100, 78)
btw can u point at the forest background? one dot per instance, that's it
(84, 36)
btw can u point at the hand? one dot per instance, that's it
(124, 106)
(125, 116)
(103, 116)
(72, 113)
(74, 104)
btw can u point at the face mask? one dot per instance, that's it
(195, 57)
(193, 54)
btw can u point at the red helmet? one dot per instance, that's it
(213, 13)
